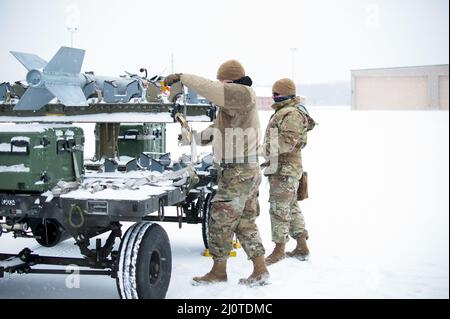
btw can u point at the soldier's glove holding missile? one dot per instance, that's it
(184, 138)
(172, 78)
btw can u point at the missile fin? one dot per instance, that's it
(69, 95)
(68, 60)
(29, 61)
(34, 99)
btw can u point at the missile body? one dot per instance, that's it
(61, 78)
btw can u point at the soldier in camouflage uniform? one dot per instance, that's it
(235, 206)
(285, 137)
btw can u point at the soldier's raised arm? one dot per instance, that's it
(211, 90)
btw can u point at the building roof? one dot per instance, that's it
(404, 67)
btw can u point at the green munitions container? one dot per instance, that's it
(135, 138)
(35, 157)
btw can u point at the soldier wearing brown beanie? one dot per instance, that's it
(292, 122)
(284, 87)
(235, 205)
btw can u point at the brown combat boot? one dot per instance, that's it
(277, 254)
(260, 274)
(300, 252)
(217, 274)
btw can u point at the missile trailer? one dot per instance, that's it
(47, 191)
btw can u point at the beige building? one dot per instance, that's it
(405, 88)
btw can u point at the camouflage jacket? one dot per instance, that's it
(286, 136)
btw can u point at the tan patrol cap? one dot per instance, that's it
(230, 70)
(284, 87)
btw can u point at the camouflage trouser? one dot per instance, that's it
(234, 210)
(285, 214)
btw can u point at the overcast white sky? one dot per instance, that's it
(331, 36)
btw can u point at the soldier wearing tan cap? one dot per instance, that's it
(235, 205)
(291, 122)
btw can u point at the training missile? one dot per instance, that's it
(61, 78)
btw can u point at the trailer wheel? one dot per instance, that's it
(206, 218)
(144, 263)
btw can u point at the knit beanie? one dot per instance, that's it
(230, 70)
(284, 87)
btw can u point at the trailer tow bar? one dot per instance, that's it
(22, 263)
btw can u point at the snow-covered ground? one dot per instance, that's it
(378, 217)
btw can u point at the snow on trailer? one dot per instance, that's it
(133, 117)
(125, 196)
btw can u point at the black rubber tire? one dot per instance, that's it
(206, 218)
(144, 264)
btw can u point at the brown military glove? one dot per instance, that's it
(172, 78)
(185, 137)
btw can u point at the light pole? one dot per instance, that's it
(293, 50)
(72, 31)
(72, 20)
